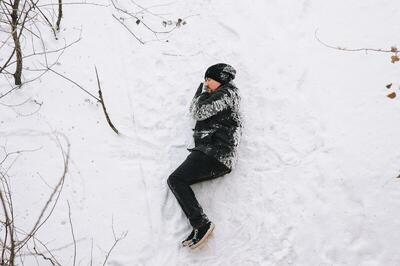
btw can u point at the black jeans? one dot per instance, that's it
(196, 168)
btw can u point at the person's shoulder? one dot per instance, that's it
(231, 89)
(230, 85)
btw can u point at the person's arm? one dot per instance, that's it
(205, 104)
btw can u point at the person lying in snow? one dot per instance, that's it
(215, 107)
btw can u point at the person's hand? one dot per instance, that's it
(199, 90)
(205, 88)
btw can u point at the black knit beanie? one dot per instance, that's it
(223, 73)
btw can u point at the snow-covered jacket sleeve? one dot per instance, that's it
(205, 105)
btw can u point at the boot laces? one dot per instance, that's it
(196, 231)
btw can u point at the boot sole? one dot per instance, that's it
(186, 243)
(203, 240)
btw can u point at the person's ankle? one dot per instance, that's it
(201, 224)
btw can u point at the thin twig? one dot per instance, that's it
(48, 52)
(70, 80)
(72, 231)
(76, 3)
(147, 9)
(138, 19)
(116, 240)
(91, 253)
(8, 230)
(56, 193)
(17, 104)
(18, 152)
(8, 92)
(126, 27)
(350, 49)
(37, 252)
(103, 104)
(45, 18)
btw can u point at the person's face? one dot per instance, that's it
(211, 84)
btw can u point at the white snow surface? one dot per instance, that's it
(315, 182)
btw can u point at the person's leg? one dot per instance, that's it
(196, 168)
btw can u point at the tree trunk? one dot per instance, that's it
(60, 14)
(17, 44)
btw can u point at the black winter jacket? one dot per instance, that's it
(218, 122)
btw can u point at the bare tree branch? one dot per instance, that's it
(70, 80)
(76, 3)
(126, 27)
(116, 240)
(45, 18)
(350, 49)
(53, 259)
(49, 52)
(37, 252)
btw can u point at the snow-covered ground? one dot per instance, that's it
(315, 182)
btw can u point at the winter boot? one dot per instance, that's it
(201, 234)
(188, 240)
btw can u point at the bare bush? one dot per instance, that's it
(15, 242)
(24, 27)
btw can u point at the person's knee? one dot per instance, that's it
(172, 181)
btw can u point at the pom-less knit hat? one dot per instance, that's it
(223, 73)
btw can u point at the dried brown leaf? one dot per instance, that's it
(395, 58)
(391, 95)
(393, 49)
